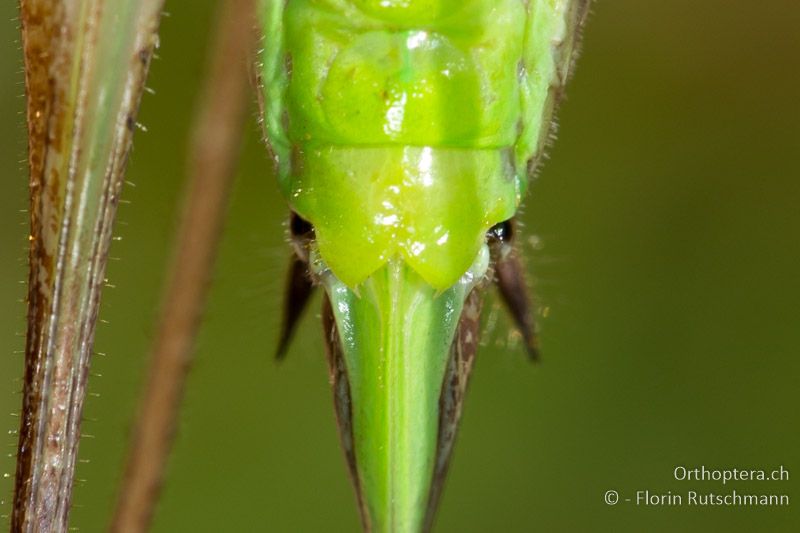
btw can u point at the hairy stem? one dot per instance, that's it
(211, 165)
(85, 65)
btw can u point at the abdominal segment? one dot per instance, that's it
(369, 76)
(406, 127)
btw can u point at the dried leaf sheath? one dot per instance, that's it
(85, 64)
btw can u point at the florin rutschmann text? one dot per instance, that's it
(700, 495)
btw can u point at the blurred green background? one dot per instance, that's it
(668, 219)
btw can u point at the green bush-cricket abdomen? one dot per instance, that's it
(365, 81)
(356, 92)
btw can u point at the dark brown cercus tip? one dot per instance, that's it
(509, 276)
(297, 292)
(299, 286)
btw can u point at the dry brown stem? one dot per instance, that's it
(213, 154)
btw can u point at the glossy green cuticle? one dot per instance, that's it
(379, 93)
(395, 369)
(403, 131)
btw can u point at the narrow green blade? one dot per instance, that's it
(395, 340)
